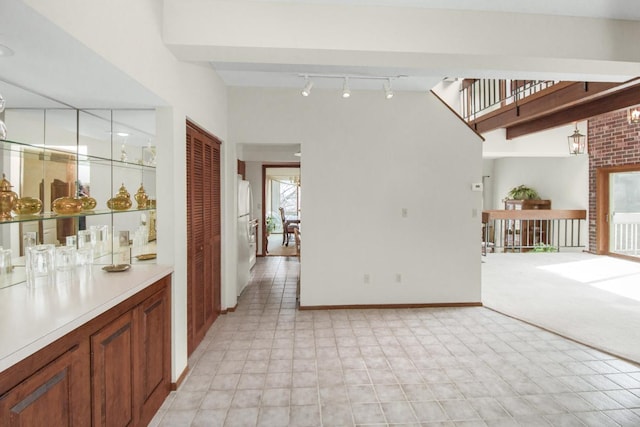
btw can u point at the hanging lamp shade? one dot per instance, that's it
(577, 142)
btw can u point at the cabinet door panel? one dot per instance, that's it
(47, 398)
(154, 354)
(111, 365)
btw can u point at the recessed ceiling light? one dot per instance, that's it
(5, 50)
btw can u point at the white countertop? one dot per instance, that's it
(32, 318)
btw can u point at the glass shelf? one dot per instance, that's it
(53, 153)
(19, 147)
(52, 215)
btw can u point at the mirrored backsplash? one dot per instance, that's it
(81, 160)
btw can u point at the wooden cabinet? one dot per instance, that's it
(203, 234)
(52, 396)
(112, 373)
(524, 234)
(114, 370)
(153, 354)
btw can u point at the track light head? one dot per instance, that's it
(346, 93)
(307, 87)
(388, 93)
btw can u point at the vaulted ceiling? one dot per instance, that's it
(266, 43)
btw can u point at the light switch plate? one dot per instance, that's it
(476, 186)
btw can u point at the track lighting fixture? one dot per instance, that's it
(388, 93)
(345, 88)
(307, 87)
(346, 91)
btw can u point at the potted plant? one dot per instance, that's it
(522, 192)
(271, 224)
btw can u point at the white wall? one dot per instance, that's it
(132, 42)
(540, 160)
(364, 160)
(565, 181)
(548, 143)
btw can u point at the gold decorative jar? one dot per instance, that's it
(142, 198)
(7, 199)
(88, 203)
(27, 206)
(121, 201)
(67, 205)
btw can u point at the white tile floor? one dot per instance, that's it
(268, 364)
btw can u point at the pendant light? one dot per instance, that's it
(577, 142)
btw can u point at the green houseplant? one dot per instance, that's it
(522, 192)
(271, 224)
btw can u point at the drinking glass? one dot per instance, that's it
(6, 265)
(84, 261)
(84, 238)
(71, 241)
(40, 265)
(65, 258)
(29, 239)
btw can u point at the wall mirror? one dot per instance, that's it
(53, 151)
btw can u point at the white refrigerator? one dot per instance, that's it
(246, 234)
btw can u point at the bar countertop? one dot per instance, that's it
(32, 318)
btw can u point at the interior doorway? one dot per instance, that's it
(618, 208)
(281, 197)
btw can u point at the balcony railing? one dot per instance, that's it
(626, 234)
(482, 96)
(527, 230)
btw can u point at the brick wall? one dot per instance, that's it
(611, 142)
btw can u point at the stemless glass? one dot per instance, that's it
(84, 238)
(40, 265)
(65, 258)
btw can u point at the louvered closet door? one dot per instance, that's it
(216, 229)
(203, 217)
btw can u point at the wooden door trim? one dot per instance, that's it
(603, 175)
(266, 166)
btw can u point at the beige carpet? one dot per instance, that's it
(276, 248)
(592, 299)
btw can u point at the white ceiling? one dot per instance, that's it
(52, 63)
(289, 75)
(613, 9)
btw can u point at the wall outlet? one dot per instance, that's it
(476, 186)
(367, 278)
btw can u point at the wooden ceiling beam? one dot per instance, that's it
(612, 101)
(553, 99)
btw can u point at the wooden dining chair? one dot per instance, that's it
(287, 227)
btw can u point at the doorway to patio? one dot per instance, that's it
(281, 197)
(618, 211)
